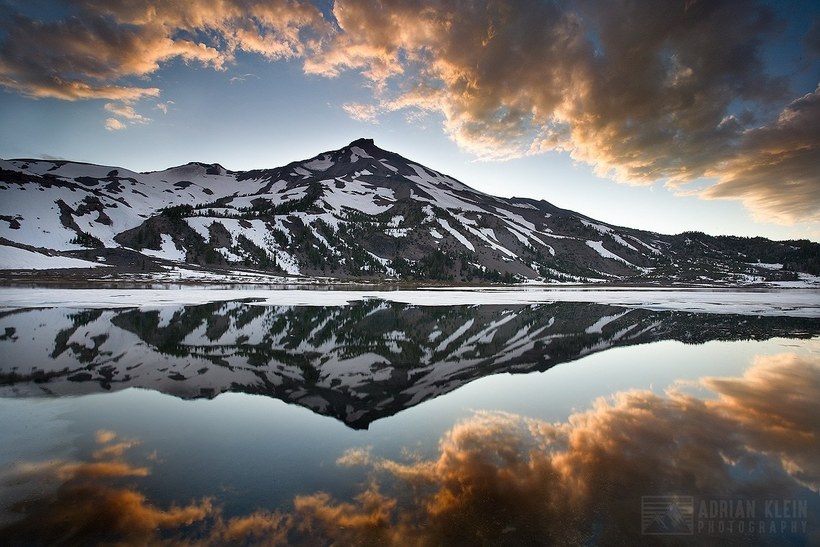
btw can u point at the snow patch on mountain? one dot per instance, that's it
(168, 250)
(392, 168)
(12, 258)
(598, 326)
(38, 217)
(598, 246)
(456, 335)
(320, 164)
(357, 152)
(487, 235)
(608, 231)
(358, 196)
(456, 234)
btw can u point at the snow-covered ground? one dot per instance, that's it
(12, 258)
(792, 302)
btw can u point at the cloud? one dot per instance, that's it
(113, 124)
(89, 512)
(127, 111)
(85, 508)
(774, 169)
(642, 91)
(362, 112)
(104, 436)
(784, 428)
(500, 478)
(49, 157)
(83, 58)
(504, 478)
(164, 106)
(107, 48)
(490, 71)
(242, 78)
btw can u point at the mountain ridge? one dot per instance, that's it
(353, 213)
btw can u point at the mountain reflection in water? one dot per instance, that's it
(497, 478)
(357, 363)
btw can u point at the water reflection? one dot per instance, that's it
(357, 363)
(505, 479)
(89, 506)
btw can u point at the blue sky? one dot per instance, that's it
(667, 116)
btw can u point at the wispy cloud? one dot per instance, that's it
(242, 78)
(127, 112)
(362, 112)
(113, 124)
(164, 106)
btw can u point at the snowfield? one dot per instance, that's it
(12, 258)
(791, 303)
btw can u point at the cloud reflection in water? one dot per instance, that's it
(497, 478)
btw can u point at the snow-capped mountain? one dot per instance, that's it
(356, 363)
(355, 212)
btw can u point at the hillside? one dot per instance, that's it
(357, 212)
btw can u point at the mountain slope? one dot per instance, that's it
(358, 211)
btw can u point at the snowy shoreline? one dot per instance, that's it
(785, 302)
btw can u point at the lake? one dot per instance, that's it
(435, 417)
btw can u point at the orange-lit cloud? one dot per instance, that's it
(126, 111)
(107, 47)
(86, 509)
(642, 91)
(495, 72)
(113, 124)
(362, 112)
(104, 436)
(775, 407)
(501, 478)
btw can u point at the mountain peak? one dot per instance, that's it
(362, 143)
(358, 211)
(369, 146)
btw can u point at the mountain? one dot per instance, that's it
(357, 363)
(356, 212)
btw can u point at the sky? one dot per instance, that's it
(664, 115)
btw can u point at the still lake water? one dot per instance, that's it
(378, 423)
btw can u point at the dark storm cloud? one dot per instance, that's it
(670, 90)
(775, 168)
